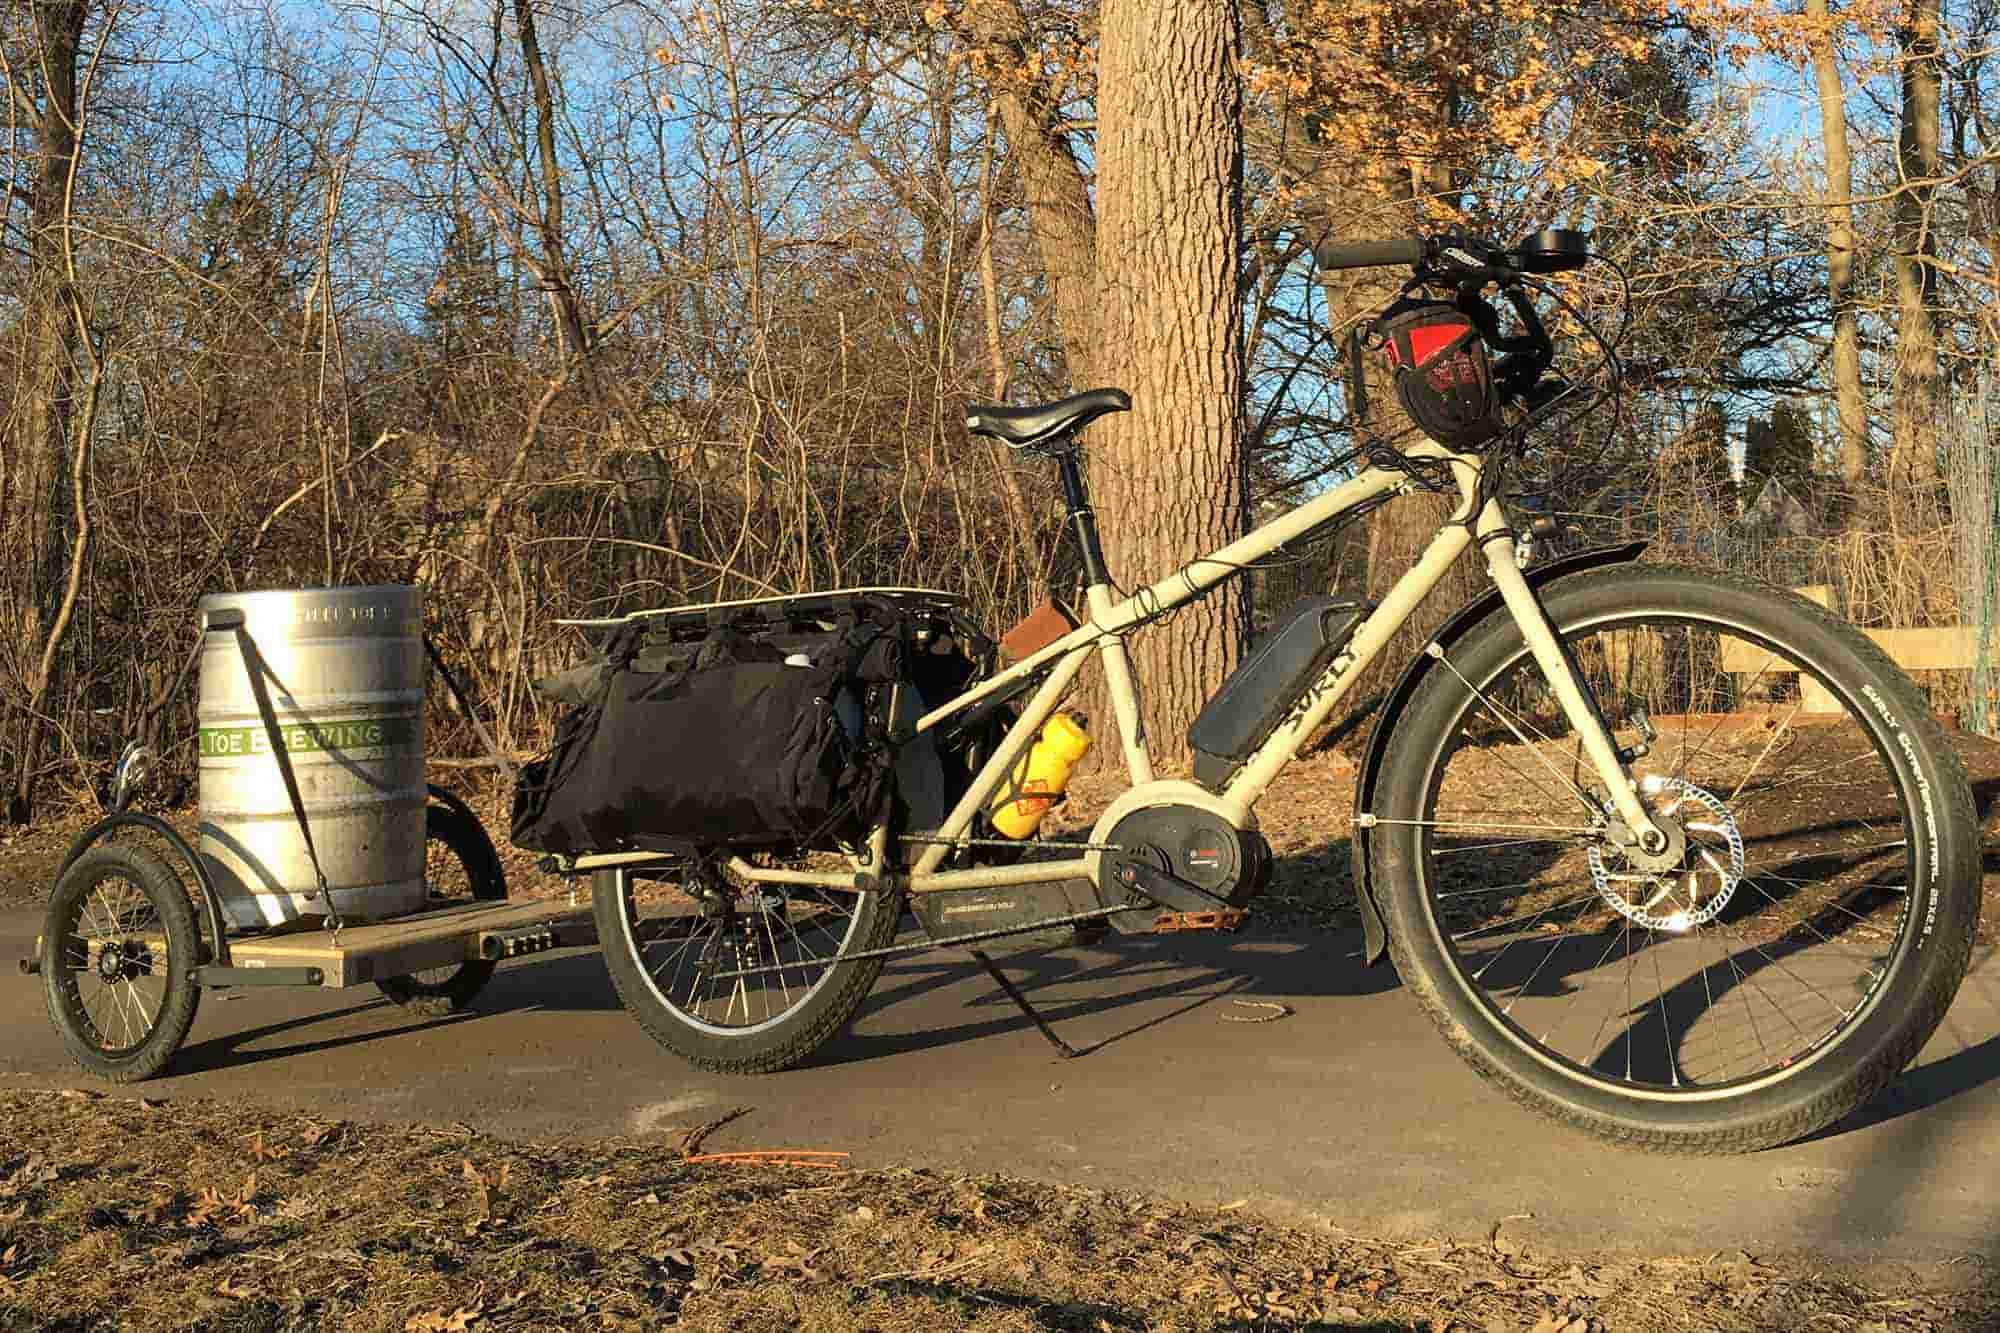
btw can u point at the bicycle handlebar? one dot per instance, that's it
(1370, 254)
(1470, 264)
(1459, 258)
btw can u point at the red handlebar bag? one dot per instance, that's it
(1443, 377)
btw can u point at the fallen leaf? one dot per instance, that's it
(234, 1293)
(799, 1261)
(864, 1214)
(458, 1321)
(10, 1254)
(486, 1190)
(262, 1153)
(1233, 1205)
(315, 1135)
(79, 1095)
(212, 1205)
(157, 1208)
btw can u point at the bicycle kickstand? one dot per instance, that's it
(1013, 993)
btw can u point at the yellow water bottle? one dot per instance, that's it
(1038, 780)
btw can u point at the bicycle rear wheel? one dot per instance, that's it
(1779, 962)
(739, 980)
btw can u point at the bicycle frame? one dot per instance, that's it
(1105, 631)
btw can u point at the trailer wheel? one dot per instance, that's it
(119, 953)
(460, 865)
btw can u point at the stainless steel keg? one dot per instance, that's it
(346, 686)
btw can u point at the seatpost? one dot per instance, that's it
(1081, 515)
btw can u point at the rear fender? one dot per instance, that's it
(1375, 936)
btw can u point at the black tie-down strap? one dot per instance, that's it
(255, 667)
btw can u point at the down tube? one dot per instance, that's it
(1369, 640)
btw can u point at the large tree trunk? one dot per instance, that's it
(43, 525)
(1919, 397)
(1169, 476)
(1840, 248)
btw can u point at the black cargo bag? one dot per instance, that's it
(737, 740)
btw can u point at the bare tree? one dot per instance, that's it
(1918, 386)
(1840, 245)
(46, 500)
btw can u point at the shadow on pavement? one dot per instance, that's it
(227, 1052)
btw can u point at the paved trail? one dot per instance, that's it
(1350, 1108)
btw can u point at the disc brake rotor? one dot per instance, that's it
(1692, 893)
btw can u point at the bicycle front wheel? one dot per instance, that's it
(1778, 962)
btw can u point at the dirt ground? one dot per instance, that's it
(142, 1214)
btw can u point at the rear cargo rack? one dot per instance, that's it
(788, 607)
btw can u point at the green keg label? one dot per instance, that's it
(367, 733)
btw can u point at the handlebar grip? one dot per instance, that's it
(1369, 254)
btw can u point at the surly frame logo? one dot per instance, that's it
(1923, 792)
(1328, 682)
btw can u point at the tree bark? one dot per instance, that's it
(1169, 476)
(1919, 397)
(41, 525)
(1840, 246)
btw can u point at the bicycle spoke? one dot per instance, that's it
(782, 946)
(1506, 720)
(1765, 753)
(1752, 772)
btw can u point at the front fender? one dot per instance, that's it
(1375, 936)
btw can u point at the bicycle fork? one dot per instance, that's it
(1496, 543)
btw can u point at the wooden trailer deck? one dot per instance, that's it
(438, 938)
